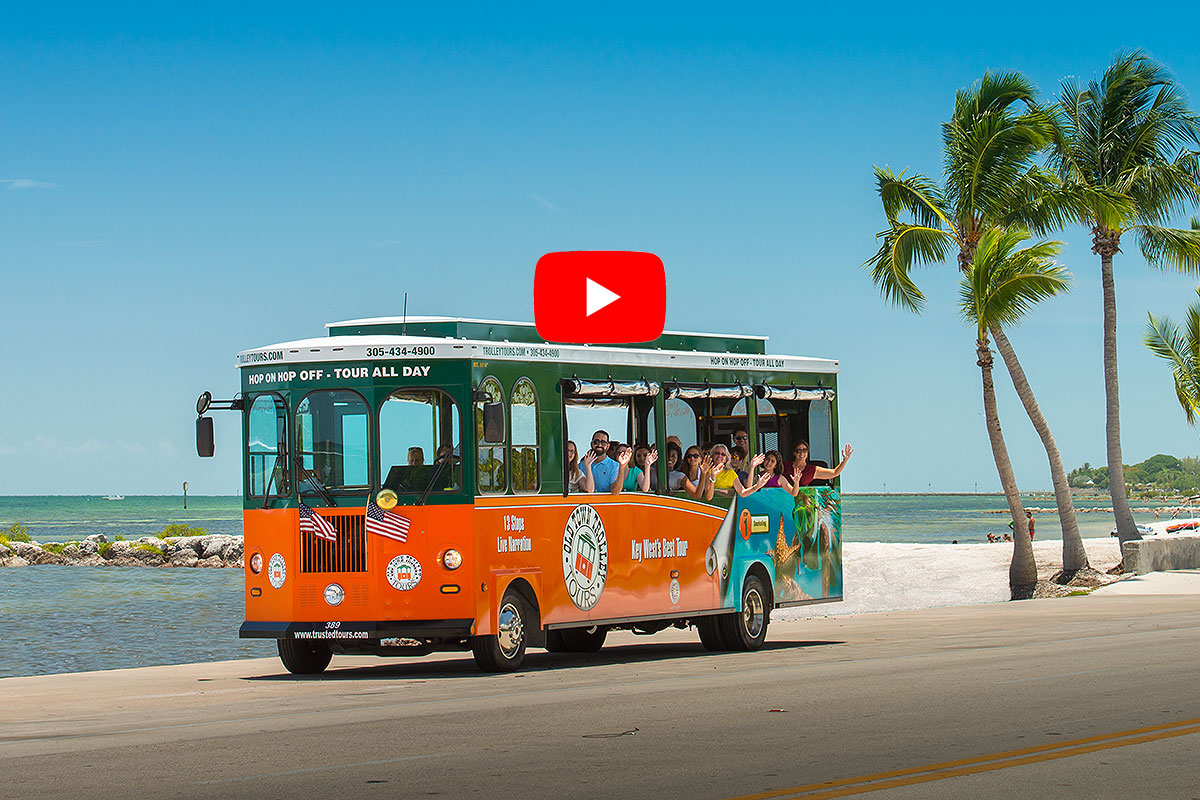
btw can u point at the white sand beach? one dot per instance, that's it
(891, 577)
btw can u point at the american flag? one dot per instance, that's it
(314, 523)
(386, 523)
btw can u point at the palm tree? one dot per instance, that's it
(1129, 135)
(1181, 349)
(992, 180)
(1002, 284)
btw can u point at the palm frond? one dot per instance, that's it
(1005, 282)
(1170, 247)
(901, 247)
(1182, 351)
(915, 194)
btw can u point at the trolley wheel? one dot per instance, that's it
(583, 640)
(505, 650)
(748, 630)
(712, 635)
(304, 658)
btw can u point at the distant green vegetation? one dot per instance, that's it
(1157, 474)
(149, 548)
(15, 533)
(56, 547)
(180, 530)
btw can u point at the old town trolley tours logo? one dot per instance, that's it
(585, 557)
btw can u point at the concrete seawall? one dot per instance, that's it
(1161, 553)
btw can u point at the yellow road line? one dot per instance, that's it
(969, 766)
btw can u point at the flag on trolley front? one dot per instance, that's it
(386, 523)
(314, 523)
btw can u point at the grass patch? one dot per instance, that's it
(55, 547)
(179, 529)
(119, 538)
(104, 548)
(149, 548)
(1079, 593)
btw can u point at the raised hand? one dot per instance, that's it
(762, 481)
(846, 451)
(706, 465)
(651, 457)
(589, 458)
(623, 459)
(758, 459)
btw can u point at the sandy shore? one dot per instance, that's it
(891, 577)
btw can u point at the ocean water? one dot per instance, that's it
(67, 619)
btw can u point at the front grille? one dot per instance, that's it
(347, 554)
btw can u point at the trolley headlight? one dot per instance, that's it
(386, 499)
(451, 559)
(256, 563)
(334, 594)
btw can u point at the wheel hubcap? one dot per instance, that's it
(511, 630)
(753, 616)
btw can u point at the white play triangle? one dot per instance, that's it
(598, 297)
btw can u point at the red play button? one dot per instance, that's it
(599, 297)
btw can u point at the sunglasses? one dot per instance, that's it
(742, 438)
(692, 455)
(599, 441)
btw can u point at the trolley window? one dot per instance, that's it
(266, 447)
(523, 412)
(419, 441)
(490, 438)
(331, 440)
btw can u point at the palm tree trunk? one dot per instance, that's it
(1074, 555)
(1112, 405)
(1022, 572)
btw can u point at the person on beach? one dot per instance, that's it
(802, 473)
(1028, 523)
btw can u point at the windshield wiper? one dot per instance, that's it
(312, 479)
(437, 470)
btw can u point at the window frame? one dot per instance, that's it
(280, 401)
(480, 444)
(535, 446)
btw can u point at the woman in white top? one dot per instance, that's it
(675, 475)
(575, 475)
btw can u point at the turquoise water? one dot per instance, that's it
(67, 619)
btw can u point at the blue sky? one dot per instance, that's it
(184, 184)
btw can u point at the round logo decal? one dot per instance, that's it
(276, 571)
(585, 557)
(745, 524)
(404, 572)
(674, 591)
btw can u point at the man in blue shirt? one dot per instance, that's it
(599, 471)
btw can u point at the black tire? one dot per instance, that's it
(748, 630)
(304, 658)
(712, 634)
(505, 650)
(583, 640)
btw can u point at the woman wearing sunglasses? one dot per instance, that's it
(802, 473)
(725, 479)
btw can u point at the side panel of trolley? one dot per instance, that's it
(599, 557)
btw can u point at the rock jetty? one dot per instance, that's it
(214, 550)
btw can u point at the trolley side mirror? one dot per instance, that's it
(205, 444)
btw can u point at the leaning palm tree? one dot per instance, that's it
(1131, 134)
(1002, 284)
(991, 145)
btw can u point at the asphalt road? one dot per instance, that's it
(1086, 696)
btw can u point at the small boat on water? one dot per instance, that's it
(114, 497)
(1183, 521)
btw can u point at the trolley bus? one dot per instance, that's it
(406, 491)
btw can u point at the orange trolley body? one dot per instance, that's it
(405, 492)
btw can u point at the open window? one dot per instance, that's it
(624, 410)
(332, 441)
(267, 469)
(491, 468)
(798, 414)
(419, 442)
